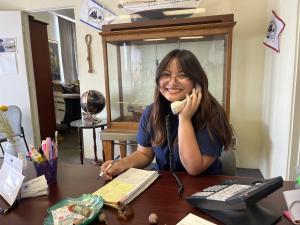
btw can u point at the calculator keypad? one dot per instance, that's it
(215, 188)
(203, 193)
(221, 192)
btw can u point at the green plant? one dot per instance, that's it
(5, 126)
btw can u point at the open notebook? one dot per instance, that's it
(127, 186)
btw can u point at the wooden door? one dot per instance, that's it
(42, 75)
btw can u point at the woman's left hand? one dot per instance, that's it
(192, 105)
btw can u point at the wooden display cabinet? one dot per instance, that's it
(131, 53)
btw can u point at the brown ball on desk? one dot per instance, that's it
(153, 218)
(125, 212)
(102, 218)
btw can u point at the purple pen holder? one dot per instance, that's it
(47, 168)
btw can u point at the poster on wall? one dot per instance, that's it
(7, 44)
(54, 60)
(8, 60)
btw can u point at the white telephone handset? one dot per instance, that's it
(177, 106)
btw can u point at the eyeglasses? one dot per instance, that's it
(167, 77)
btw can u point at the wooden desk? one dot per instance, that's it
(161, 197)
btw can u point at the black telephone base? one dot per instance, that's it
(253, 215)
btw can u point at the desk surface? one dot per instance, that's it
(161, 198)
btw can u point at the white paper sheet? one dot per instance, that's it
(11, 178)
(192, 219)
(8, 63)
(292, 199)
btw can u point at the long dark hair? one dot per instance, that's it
(210, 113)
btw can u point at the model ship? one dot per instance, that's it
(136, 109)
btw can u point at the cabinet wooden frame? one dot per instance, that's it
(167, 28)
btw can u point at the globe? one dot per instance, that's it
(92, 102)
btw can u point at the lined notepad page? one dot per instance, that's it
(127, 186)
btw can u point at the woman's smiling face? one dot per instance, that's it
(174, 83)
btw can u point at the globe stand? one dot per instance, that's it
(96, 161)
(92, 102)
(89, 119)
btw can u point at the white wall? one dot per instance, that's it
(260, 110)
(14, 88)
(278, 97)
(246, 75)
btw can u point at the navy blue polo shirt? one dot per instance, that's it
(207, 146)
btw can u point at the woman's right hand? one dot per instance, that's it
(115, 169)
(142, 157)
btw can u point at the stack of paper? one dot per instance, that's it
(35, 187)
(127, 186)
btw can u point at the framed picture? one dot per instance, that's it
(7, 44)
(54, 60)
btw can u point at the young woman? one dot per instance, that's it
(199, 132)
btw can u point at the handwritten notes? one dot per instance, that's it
(125, 187)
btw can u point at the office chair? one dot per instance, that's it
(228, 162)
(2, 139)
(14, 116)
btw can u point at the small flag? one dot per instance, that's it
(275, 28)
(95, 15)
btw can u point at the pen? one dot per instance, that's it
(107, 168)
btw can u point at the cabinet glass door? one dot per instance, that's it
(132, 66)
